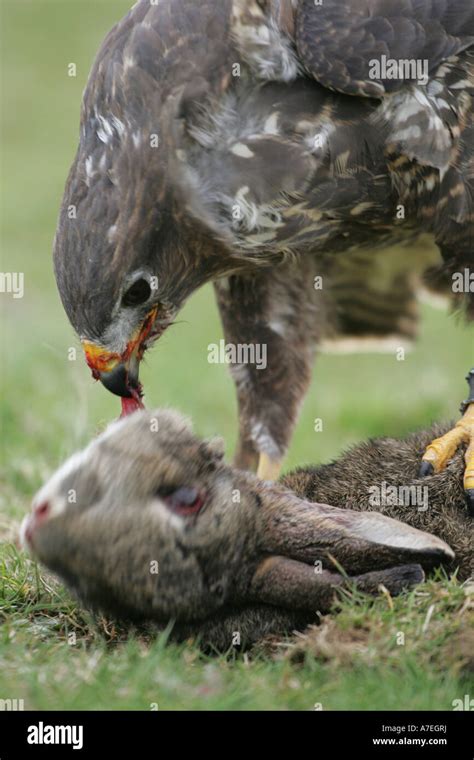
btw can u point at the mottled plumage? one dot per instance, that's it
(250, 144)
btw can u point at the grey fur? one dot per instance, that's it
(257, 557)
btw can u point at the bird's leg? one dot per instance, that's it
(274, 314)
(440, 451)
(268, 468)
(246, 455)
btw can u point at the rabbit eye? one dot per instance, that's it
(184, 501)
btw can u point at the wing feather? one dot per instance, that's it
(339, 41)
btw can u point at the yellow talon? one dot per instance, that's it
(440, 451)
(469, 472)
(268, 469)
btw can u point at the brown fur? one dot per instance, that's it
(258, 557)
(345, 482)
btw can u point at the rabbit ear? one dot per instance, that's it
(286, 583)
(358, 541)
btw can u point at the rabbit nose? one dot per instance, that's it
(41, 511)
(39, 514)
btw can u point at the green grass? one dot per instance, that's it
(49, 407)
(54, 656)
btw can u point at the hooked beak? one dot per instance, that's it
(118, 372)
(122, 380)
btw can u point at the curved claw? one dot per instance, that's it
(441, 450)
(426, 469)
(470, 501)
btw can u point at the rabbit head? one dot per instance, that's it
(149, 522)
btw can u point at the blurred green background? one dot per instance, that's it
(49, 405)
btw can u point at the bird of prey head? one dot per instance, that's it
(122, 256)
(132, 240)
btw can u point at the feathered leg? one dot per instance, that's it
(279, 313)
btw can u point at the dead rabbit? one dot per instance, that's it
(149, 523)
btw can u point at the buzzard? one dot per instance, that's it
(277, 148)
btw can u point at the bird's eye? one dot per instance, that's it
(184, 501)
(137, 293)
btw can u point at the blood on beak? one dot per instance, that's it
(118, 372)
